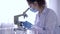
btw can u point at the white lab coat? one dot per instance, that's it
(46, 19)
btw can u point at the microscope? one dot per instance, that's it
(20, 23)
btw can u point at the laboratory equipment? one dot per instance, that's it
(20, 28)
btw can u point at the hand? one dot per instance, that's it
(27, 24)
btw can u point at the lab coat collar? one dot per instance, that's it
(44, 10)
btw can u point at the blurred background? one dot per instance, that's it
(10, 8)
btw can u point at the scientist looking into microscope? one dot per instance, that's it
(46, 19)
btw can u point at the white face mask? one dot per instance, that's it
(33, 10)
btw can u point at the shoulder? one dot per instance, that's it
(51, 12)
(51, 15)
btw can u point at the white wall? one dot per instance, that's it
(9, 8)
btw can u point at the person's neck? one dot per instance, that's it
(41, 9)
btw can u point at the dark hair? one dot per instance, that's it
(40, 2)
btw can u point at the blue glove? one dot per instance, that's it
(27, 25)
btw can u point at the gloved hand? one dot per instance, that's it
(27, 24)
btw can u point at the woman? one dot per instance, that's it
(46, 18)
